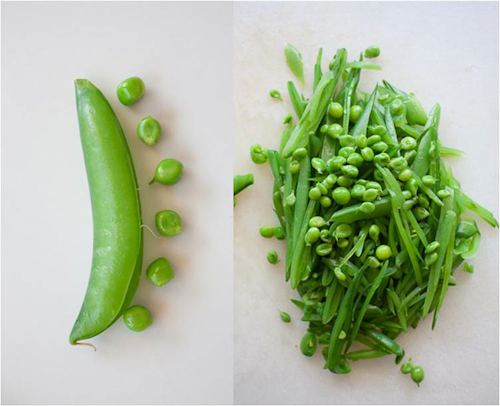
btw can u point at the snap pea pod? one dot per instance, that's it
(116, 212)
(294, 61)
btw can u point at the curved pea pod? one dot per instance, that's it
(116, 212)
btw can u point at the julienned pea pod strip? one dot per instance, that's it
(374, 220)
(116, 212)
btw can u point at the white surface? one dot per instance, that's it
(183, 52)
(446, 52)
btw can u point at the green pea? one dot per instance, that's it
(383, 252)
(285, 317)
(408, 204)
(345, 181)
(378, 175)
(343, 243)
(406, 194)
(279, 233)
(287, 119)
(372, 262)
(380, 146)
(130, 90)
(345, 152)
(335, 163)
(355, 113)
(339, 274)
(312, 235)
(272, 257)
(267, 232)
(374, 232)
(420, 213)
(160, 272)
(322, 188)
(369, 195)
(373, 185)
(325, 201)
(334, 130)
(361, 141)
(355, 159)
(319, 165)
(377, 129)
(382, 159)
(431, 258)
(412, 186)
(431, 247)
(290, 200)
(423, 201)
(168, 223)
(372, 51)
(367, 207)
(308, 344)
(346, 140)
(315, 193)
(275, 94)
(373, 139)
(330, 181)
(341, 195)
(258, 154)
(137, 318)
(149, 130)
(428, 180)
(335, 110)
(417, 375)
(405, 175)
(299, 153)
(350, 171)
(343, 231)
(325, 236)
(408, 143)
(396, 107)
(407, 367)
(469, 268)
(443, 193)
(367, 154)
(168, 172)
(317, 221)
(398, 163)
(357, 191)
(294, 167)
(410, 156)
(323, 249)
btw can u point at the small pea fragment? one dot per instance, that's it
(160, 272)
(287, 119)
(258, 154)
(372, 51)
(308, 344)
(130, 90)
(319, 165)
(299, 153)
(168, 172)
(343, 231)
(272, 257)
(408, 143)
(168, 223)
(469, 268)
(317, 221)
(149, 130)
(431, 247)
(137, 318)
(324, 249)
(275, 94)
(285, 317)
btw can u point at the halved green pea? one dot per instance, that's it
(168, 223)
(149, 130)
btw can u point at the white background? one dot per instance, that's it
(445, 52)
(183, 53)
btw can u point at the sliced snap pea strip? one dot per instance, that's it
(241, 182)
(298, 102)
(294, 61)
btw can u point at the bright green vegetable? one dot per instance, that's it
(372, 51)
(160, 272)
(275, 94)
(149, 130)
(272, 257)
(294, 61)
(285, 317)
(137, 318)
(241, 182)
(258, 154)
(117, 261)
(130, 91)
(168, 223)
(168, 172)
(417, 375)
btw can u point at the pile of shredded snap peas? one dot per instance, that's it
(374, 221)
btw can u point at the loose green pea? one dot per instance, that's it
(317, 221)
(308, 344)
(369, 195)
(443, 193)
(137, 318)
(323, 249)
(343, 231)
(275, 94)
(405, 175)
(408, 143)
(279, 233)
(398, 163)
(410, 156)
(406, 194)
(382, 159)
(266, 232)
(330, 181)
(290, 199)
(345, 181)
(469, 268)
(361, 141)
(339, 274)
(380, 146)
(345, 151)
(378, 175)
(412, 186)
(374, 232)
(431, 259)
(372, 262)
(355, 113)
(258, 154)
(357, 191)
(285, 317)
(335, 110)
(325, 201)
(346, 140)
(334, 130)
(342, 243)
(341, 195)
(130, 90)
(428, 180)
(294, 167)
(168, 172)
(367, 207)
(287, 119)
(372, 51)
(367, 154)
(325, 235)
(335, 163)
(149, 130)
(396, 107)
(168, 223)
(160, 272)
(272, 257)
(350, 171)
(431, 247)
(319, 165)
(407, 367)
(355, 159)
(312, 235)
(342, 335)
(373, 139)
(383, 252)
(299, 153)
(315, 193)
(377, 130)
(417, 375)
(373, 185)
